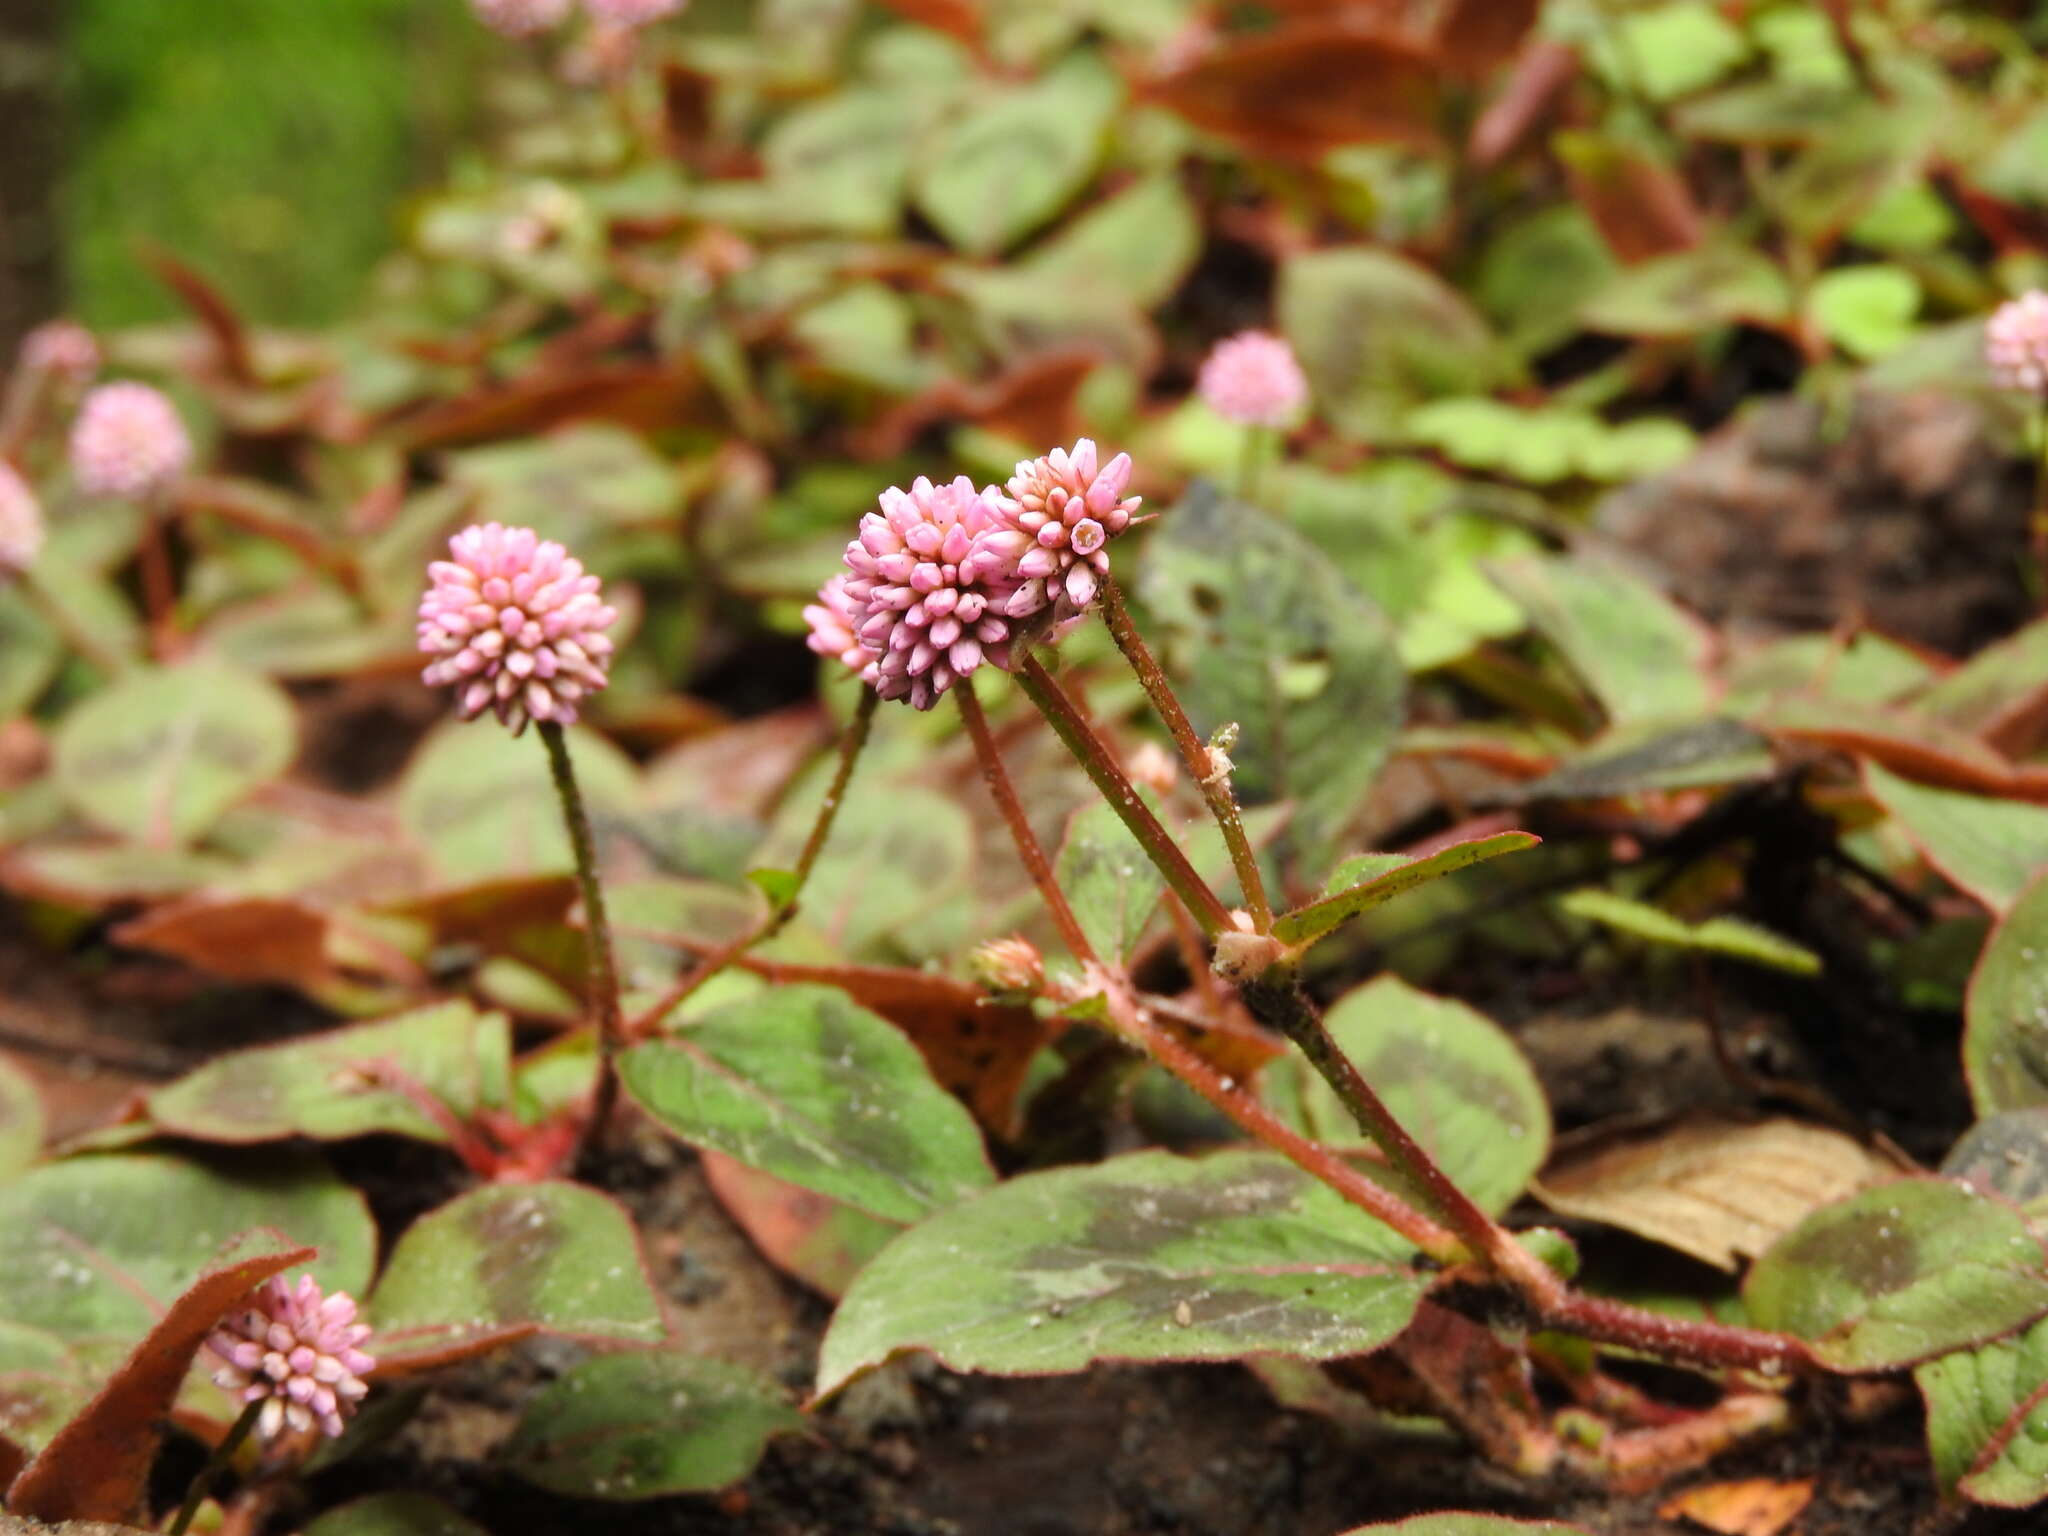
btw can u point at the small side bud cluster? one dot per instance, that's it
(21, 523)
(1253, 379)
(1008, 968)
(63, 351)
(515, 626)
(944, 577)
(128, 441)
(298, 1353)
(2016, 343)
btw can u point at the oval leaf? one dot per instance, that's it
(394, 1514)
(505, 1259)
(803, 1083)
(1987, 1422)
(1900, 1274)
(2005, 1031)
(1146, 1257)
(1990, 847)
(638, 1426)
(163, 753)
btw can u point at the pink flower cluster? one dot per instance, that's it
(128, 441)
(2016, 343)
(944, 577)
(296, 1352)
(63, 350)
(21, 523)
(1253, 379)
(515, 626)
(522, 18)
(631, 13)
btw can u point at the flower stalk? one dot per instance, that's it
(602, 985)
(223, 1456)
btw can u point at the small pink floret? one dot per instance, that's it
(21, 523)
(2016, 343)
(631, 13)
(522, 18)
(128, 441)
(1062, 511)
(1253, 379)
(516, 626)
(298, 1353)
(63, 350)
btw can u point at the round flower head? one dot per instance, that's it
(515, 626)
(21, 523)
(835, 621)
(128, 441)
(1254, 380)
(522, 18)
(1053, 548)
(922, 593)
(62, 350)
(2016, 343)
(631, 13)
(296, 1352)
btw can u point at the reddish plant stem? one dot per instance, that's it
(1004, 793)
(1073, 728)
(159, 586)
(852, 742)
(602, 984)
(1201, 765)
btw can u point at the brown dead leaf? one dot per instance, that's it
(1709, 1185)
(1758, 1506)
(491, 914)
(1031, 400)
(97, 1466)
(1302, 90)
(1476, 36)
(253, 939)
(644, 396)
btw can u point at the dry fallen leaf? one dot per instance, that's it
(1760, 1506)
(1708, 1185)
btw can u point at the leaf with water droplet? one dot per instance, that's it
(1987, 1419)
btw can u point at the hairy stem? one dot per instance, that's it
(216, 1464)
(603, 979)
(1029, 849)
(852, 742)
(1201, 764)
(1073, 728)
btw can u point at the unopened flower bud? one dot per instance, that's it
(298, 1353)
(2016, 343)
(1009, 968)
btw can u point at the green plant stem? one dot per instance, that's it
(216, 1464)
(1215, 786)
(852, 742)
(1073, 728)
(602, 985)
(1251, 461)
(1029, 849)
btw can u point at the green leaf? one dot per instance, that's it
(1997, 682)
(164, 752)
(1688, 292)
(1468, 1525)
(480, 800)
(643, 1425)
(1867, 311)
(1450, 1075)
(553, 1257)
(1537, 273)
(328, 1086)
(1378, 335)
(97, 1247)
(843, 162)
(804, 1083)
(2005, 1030)
(1987, 1421)
(1146, 1257)
(1380, 877)
(1141, 242)
(1018, 157)
(572, 484)
(1899, 1274)
(23, 1124)
(2005, 1153)
(1111, 884)
(1992, 848)
(1717, 935)
(1709, 754)
(1270, 638)
(394, 1514)
(1668, 51)
(31, 651)
(1641, 654)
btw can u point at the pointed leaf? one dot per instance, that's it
(1146, 1257)
(1270, 638)
(1991, 847)
(164, 752)
(1987, 1419)
(340, 1083)
(1900, 1274)
(394, 1514)
(2005, 1032)
(803, 1083)
(1376, 885)
(1113, 887)
(644, 1425)
(1717, 935)
(514, 1258)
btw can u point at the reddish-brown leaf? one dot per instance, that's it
(1476, 36)
(799, 1231)
(1757, 1506)
(1909, 744)
(97, 1466)
(1641, 205)
(248, 939)
(230, 336)
(493, 913)
(1031, 401)
(1541, 76)
(976, 1048)
(645, 396)
(1302, 90)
